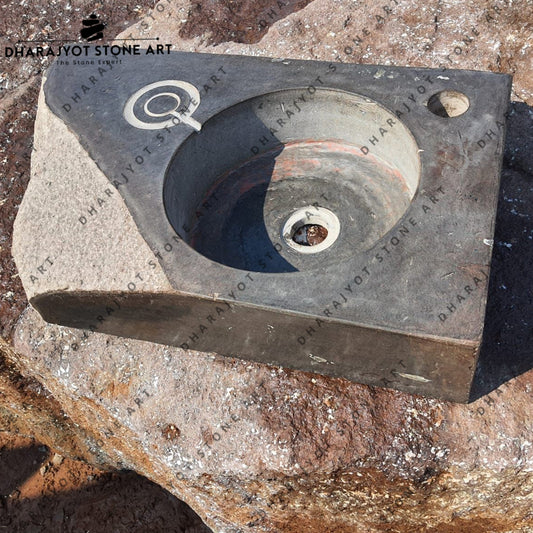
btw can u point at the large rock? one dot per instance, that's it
(257, 448)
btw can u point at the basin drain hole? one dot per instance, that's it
(311, 229)
(310, 234)
(448, 104)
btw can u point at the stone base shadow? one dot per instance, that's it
(507, 349)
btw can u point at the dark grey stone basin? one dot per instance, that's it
(325, 217)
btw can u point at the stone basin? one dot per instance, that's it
(319, 216)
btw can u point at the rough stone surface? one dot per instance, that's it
(19, 89)
(53, 249)
(254, 448)
(28, 408)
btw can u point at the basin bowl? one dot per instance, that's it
(230, 196)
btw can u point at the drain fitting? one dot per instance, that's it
(311, 229)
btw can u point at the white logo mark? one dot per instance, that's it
(183, 115)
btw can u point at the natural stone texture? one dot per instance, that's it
(54, 250)
(256, 448)
(19, 90)
(27, 408)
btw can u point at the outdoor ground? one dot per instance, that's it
(40, 491)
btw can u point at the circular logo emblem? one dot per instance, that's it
(163, 104)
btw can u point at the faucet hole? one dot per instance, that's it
(448, 104)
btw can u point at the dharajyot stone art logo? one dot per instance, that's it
(93, 29)
(70, 47)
